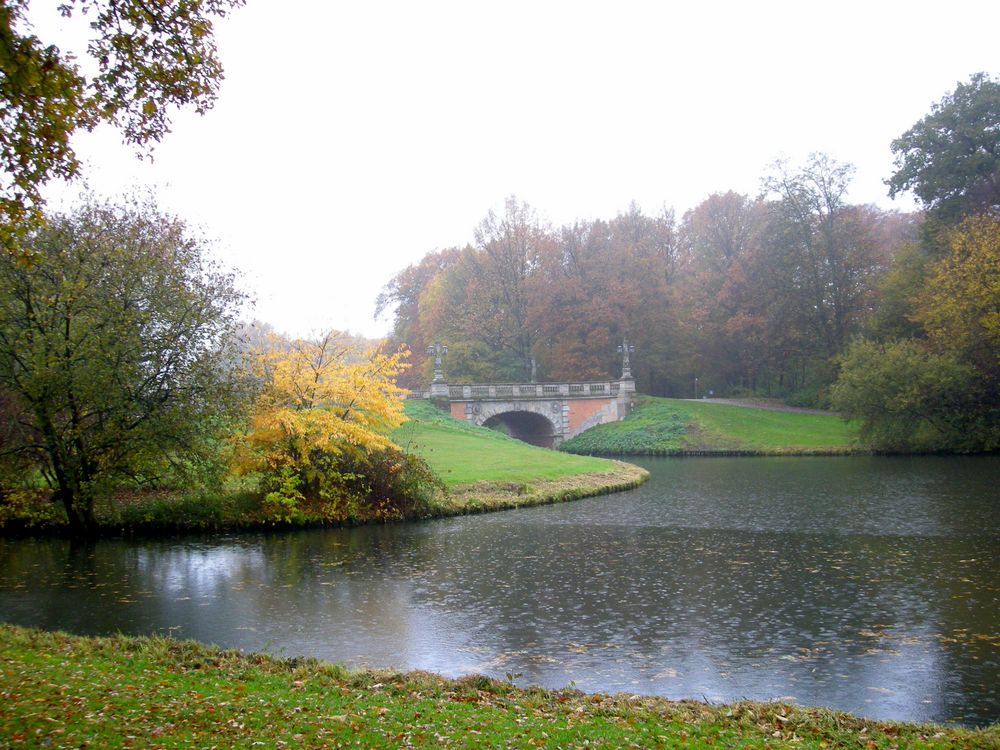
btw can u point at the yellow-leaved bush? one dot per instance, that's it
(323, 405)
(323, 394)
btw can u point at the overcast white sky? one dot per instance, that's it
(351, 138)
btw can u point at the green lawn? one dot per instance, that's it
(665, 426)
(63, 691)
(461, 453)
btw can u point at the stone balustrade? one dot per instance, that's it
(522, 391)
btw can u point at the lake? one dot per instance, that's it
(868, 584)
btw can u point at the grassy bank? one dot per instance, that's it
(63, 691)
(486, 470)
(661, 426)
(481, 470)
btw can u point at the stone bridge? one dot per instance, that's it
(542, 414)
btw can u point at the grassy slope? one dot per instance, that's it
(461, 453)
(64, 691)
(485, 470)
(665, 426)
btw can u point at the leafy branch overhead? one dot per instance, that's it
(150, 58)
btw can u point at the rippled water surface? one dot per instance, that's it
(865, 584)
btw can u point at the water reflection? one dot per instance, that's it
(864, 584)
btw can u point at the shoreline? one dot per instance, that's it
(464, 499)
(151, 691)
(490, 496)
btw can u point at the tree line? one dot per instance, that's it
(747, 294)
(890, 317)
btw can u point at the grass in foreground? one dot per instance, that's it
(662, 426)
(64, 691)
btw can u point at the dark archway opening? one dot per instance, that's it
(524, 425)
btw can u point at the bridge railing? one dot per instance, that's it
(505, 391)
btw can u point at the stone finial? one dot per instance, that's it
(625, 349)
(438, 350)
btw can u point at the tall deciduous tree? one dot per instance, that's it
(959, 308)
(717, 315)
(597, 282)
(150, 58)
(951, 158)
(408, 295)
(510, 246)
(112, 346)
(827, 248)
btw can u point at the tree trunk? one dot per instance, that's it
(79, 512)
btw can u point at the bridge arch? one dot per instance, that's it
(538, 423)
(525, 425)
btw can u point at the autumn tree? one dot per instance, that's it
(941, 389)
(321, 401)
(748, 293)
(719, 312)
(459, 305)
(509, 245)
(113, 351)
(321, 394)
(811, 273)
(408, 295)
(831, 245)
(959, 307)
(595, 282)
(476, 299)
(572, 307)
(950, 159)
(149, 58)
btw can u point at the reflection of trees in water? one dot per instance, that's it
(670, 589)
(298, 591)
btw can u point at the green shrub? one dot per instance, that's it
(352, 484)
(815, 396)
(394, 484)
(650, 431)
(185, 511)
(282, 503)
(29, 509)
